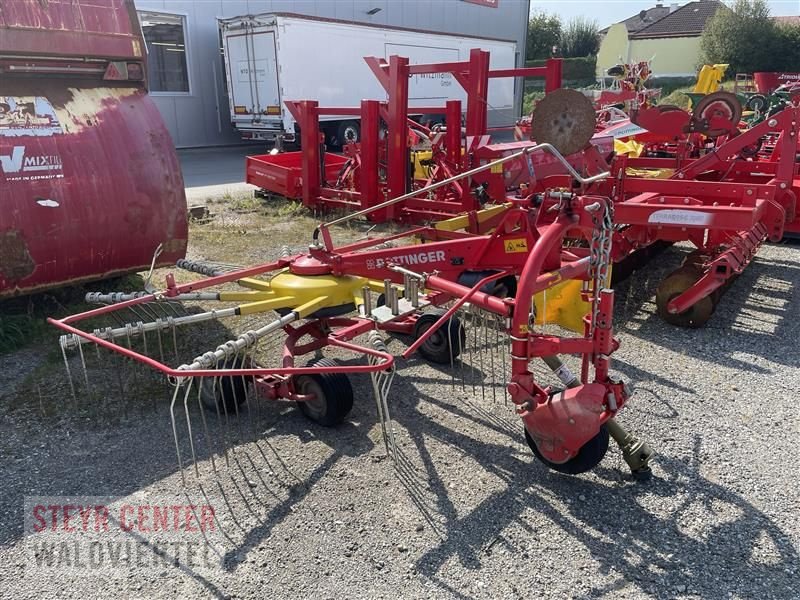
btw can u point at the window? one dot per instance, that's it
(166, 52)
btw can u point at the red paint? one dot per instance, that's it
(90, 184)
(767, 82)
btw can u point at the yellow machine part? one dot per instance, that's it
(421, 171)
(709, 78)
(462, 221)
(562, 305)
(631, 148)
(304, 294)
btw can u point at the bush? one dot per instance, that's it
(580, 38)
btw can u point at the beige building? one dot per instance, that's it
(667, 35)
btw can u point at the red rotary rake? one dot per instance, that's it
(453, 293)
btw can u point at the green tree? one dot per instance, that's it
(789, 47)
(544, 32)
(580, 38)
(746, 38)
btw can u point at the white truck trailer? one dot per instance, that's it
(270, 58)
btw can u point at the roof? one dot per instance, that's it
(637, 22)
(687, 21)
(791, 20)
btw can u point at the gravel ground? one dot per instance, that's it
(466, 511)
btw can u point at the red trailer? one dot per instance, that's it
(90, 184)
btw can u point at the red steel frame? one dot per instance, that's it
(473, 75)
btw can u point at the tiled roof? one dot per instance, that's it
(651, 15)
(687, 21)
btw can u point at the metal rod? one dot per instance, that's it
(480, 169)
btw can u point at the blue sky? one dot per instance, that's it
(606, 12)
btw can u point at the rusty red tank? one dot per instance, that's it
(90, 184)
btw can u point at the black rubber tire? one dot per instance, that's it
(757, 102)
(348, 132)
(588, 457)
(224, 394)
(334, 394)
(445, 343)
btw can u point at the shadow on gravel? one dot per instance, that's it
(678, 531)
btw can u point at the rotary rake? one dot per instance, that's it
(465, 299)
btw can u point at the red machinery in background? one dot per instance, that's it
(90, 184)
(396, 155)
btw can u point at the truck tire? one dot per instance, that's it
(348, 132)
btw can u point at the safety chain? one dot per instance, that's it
(600, 256)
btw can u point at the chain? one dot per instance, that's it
(600, 256)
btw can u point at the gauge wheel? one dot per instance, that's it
(333, 394)
(587, 458)
(444, 344)
(223, 395)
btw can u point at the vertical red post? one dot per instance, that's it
(453, 139)
(552, 77)
(398, 130)
(478, 92)
(368, 179)
(309, 140)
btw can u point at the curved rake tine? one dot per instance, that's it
(205, 424)
(221, 427)
(450, 349)
(189, 426)
(171, 323)
(69, 375)
(491, 358)
(83, 365)
(175, 432)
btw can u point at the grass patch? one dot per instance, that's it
(23, 320)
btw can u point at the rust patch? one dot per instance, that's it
(16, 262)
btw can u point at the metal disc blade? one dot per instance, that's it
(717, 114)
(564, 118)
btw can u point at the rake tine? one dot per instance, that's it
(222, 436)
(461, 351)
(83, 364)
(160, 342)
(69, 375)
(171, 323)
(175, 433)
(235, 364)
(471, 346)
(450, 349)
(205, 424)
(481, 352)
(189, 426)
(491, 357)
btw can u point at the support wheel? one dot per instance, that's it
(445, 343)
(333, 394)
(225, 394)
(588, 457)
(678, 282)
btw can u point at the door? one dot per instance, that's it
(253, 76)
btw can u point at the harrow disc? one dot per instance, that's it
(674, 285)
(717, 114)
(564, 118)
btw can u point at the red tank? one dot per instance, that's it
(90, 185)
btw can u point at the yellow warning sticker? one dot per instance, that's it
(515, 245)
(496, 168)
